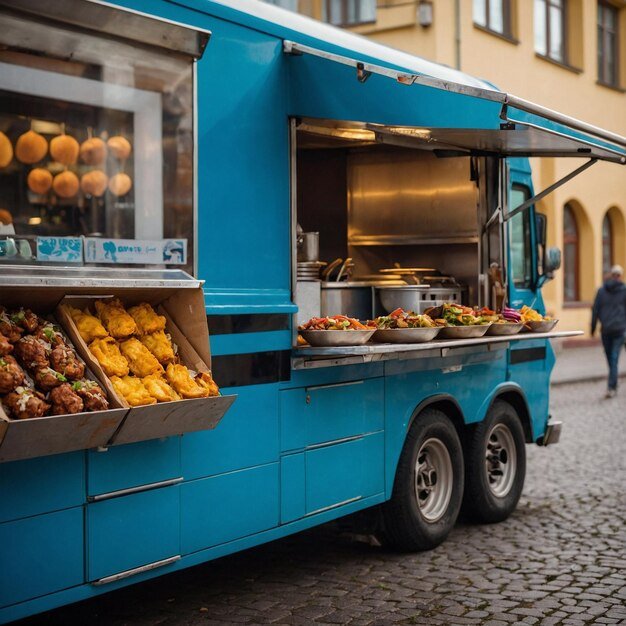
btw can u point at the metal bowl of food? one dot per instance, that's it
(334, 338)
(543, 326)
(463, 332)
(406, 335)
(407, 297)
(508, 328)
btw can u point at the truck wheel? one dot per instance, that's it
(428, 487)
(495, 465)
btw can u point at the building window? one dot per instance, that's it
(571, 292)
(349, 12)
(550, 32)
(607, 244)
(520, 241)
(494, 15)
(291, 5)
(608, 44)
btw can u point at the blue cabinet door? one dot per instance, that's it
(325, 413)
(41, 555)
(42, 485)
(344, 472)
(130, 531)
(230, 506)
(133, 465)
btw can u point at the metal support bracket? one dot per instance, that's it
(361, 73)
(549, 190)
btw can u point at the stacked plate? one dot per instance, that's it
(309, 270)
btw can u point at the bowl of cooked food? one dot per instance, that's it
(535, 322)
(402, 326)
(338, 330)
(507, 322)
(458, 321)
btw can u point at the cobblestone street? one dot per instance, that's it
(560, 559)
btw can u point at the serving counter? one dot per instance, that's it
(308, 357)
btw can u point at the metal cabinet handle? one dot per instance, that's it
(136, 570)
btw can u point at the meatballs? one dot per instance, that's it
(25, 403)
(5, 345)
(28, 320)
(46, 378)
(65, 401)
(92, 395)
(11, 374)
(9, 328)
(32, 353)
(65, 361)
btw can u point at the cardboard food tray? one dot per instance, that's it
(163, 419)
(55, 434)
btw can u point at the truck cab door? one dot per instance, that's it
(522, 249)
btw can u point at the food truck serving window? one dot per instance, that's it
(96, 145)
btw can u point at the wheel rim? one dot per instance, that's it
(433, 479)
(500, 460)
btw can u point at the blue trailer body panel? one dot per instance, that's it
(291, 453)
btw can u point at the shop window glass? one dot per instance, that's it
(607, 244)
(102, 133)
(571, 245)
(494, 15)
(520, 240)
(608, 44)
(349, 12)
(550, 31)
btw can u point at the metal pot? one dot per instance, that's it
(351, 299)
(407, 297)
(308, 247)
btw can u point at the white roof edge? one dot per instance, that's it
(350, 41)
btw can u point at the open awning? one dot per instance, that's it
(521, 128)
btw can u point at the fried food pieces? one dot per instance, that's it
(32, 353)
(65, 361)
(132, 390)
(89, 326)
(11, 374)
(160, 346)
(6, 347)
(25, 403)
(140, 360)
(109, 356)
(205, 379)
(65, 401)
(119, 324)
(181, 380)
(147, 319)
(158, 388)
(91, 394)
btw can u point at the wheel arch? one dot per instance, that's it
(445, 403)
(514, 395)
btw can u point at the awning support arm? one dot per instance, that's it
(549, 190)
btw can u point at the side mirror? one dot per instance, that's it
(552, 261)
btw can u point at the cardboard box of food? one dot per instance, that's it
(187, 325)
(55, 434)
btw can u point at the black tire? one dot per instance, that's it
(485, 500)
(406, 527)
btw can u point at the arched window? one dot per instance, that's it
(571, 283)
(608, 254)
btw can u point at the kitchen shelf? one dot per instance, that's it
(402, 240)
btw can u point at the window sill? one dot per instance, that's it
(495, 33)
(579, 304)
(353, 24)
(610, 86)
(565, 66)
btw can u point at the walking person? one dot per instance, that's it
(610, 308)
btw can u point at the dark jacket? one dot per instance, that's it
(610, 308)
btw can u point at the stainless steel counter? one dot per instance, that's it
(309, 357)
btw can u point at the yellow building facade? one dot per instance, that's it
(569, 55)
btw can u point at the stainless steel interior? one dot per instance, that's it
(384, 205)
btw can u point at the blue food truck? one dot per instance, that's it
(278, 169)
